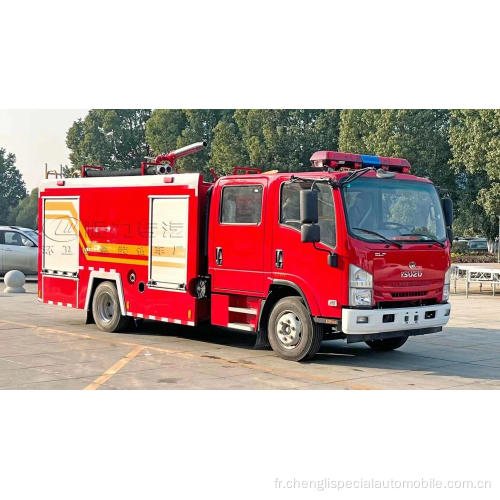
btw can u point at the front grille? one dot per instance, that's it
(397, 284)
(407, 303)
(397, 295)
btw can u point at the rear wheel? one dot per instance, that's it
(106, 309)
(292, 333)
(387, 344)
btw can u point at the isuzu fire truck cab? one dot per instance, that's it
(356, 248)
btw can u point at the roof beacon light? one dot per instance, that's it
(348, 161)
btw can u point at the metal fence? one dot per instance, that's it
(475, 274)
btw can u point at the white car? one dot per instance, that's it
(18, 249)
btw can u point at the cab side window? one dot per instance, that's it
(241, 205)
(290, 204)
(290, 209)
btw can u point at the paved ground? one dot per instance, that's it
(48, 347)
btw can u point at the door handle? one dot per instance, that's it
(218, 256)
(279, 259)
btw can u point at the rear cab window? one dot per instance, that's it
(241, 204)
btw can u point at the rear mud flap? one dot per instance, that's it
(89, 320)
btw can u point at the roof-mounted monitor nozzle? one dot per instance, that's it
(162, 164)
(334, 160)
(174, 155)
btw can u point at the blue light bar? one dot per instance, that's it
(370, 160)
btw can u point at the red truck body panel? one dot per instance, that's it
(114, 237)
(122, 229)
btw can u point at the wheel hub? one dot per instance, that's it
(105, 308)
(289, 330)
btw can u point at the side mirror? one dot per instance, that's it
(448, 211)
(309, 233)
(308, 207)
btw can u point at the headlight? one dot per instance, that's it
(359, 278)
(361, 297)
(360, 286)
(446, 285)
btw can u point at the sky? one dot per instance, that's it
(36, 137)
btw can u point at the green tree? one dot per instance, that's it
(419, 135)
(169, 129)
(285, 139)
(164, 128)
(200, 125)
(475, 143)
(113, 138)
(25, 214)
(228, 150)
(12, 187)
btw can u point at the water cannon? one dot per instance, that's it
(335, 160)
(174, 155)
(162, 164)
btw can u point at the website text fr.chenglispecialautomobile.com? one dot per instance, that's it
(325, 484)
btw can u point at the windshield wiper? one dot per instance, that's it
(428, 240)
(379, 235)
(355, 175)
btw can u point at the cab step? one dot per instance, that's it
(243, 310)
(241, 326)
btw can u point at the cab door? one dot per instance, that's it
(237, 238)
(304, 264)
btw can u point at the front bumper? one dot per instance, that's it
(366, 321)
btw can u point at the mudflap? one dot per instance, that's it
(89, 320)
(261, 340)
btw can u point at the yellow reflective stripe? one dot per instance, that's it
(169, 252)
(158, 263)
(138, 262)
(119, 248)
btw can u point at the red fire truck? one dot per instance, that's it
(355, 248)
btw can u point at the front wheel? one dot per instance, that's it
(387, 344)
(106, 309)
(292, 333)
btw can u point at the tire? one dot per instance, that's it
(387, 344)
(292, 333)
(106, 309)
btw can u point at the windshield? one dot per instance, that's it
(391, 209)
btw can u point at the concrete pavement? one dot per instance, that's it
(49, 347)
